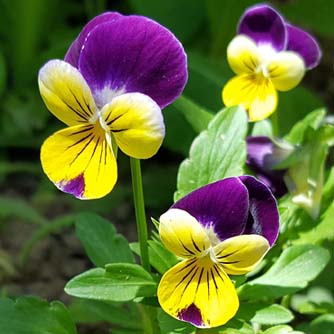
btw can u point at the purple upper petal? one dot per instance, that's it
(134, 54)
(72, 55)
(265, 26)
(223, 205)
(262, 156)
(263, 216)
(305, 45)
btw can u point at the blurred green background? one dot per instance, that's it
(37, 244)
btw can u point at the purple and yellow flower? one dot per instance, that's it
(109, 91)
(267, 55)
(224, 228)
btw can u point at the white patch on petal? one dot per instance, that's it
(106, 95)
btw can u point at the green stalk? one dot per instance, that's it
(275, 124)
(138, 198)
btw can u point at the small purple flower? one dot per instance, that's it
(262, 156)
(267, 55)
(224, 228)
(117, 76)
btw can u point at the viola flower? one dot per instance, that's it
(267, 55)
(263, 154)
(109, 91)
(224, 228)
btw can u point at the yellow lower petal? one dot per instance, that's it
(136, 122)
(239, 255)
(182, 234)
(286, 70)
(198, 291)
(79, 161)
(254, 92)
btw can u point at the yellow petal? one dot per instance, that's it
(254, 92)
(66, 93)
(243, 55)
(239, 255)
(136, 122)
(182, 234)
(198, 291)
(286, 70)
(79, 161)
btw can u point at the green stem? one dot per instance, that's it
(275, 123)
(138, 197)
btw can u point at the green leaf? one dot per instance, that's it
(323, 324)
(312, 120)
(322, 231)
(282, 329)
(296, 266)
(118, 314)
(118, 282)
(169, 325)
(179, 133)
(161, 258)
(216, 153)
(263, 128)
(273, 315)
(101, 242)
(196, 115)
(28, 315)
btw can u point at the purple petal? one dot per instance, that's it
(72, 55)
(305, 45)
(265, 26)
(75, 187)
(191, 314)
(262, 156)
(134, 54)
(222, 205)
(260, 153)
(263, 214)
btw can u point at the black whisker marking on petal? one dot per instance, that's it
(86, 128)
(199, 280)
(187, 284)
(87, 105)
(185, 248)
(121, 130)
(80, 140)
(195, 245)
(114, 119)
(231, 262)
(78, 154)
(93, 153)
(187, 275)
(228, 254)
(79, 104)
(218, 273)
(187, 266)
(78, 113)
(213, 278)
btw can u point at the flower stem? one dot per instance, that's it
(138, 197)
(275, 123)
